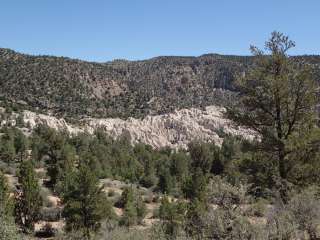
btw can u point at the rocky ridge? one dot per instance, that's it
(174, 129)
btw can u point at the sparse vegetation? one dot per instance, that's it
(90, 186)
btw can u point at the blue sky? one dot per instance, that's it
(102, 30)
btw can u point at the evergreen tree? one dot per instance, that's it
(201, 156)
(29, 202)
(141, 209)
(195, 186)
(21, 144)
(134, 207)
(7, 149)
(86, 204)
(278, 101)
(5, 201)
(65, 167)
(172, 216)
(127, 195)
(8, 229)
(194, 224)
(130, 215)
(166, 181)
(50, 143)
(180, 165)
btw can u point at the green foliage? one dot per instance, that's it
(49, 143)
(195, 186)
(166, 181)
(21, 144)
(229, 224)
(258, 208)
(224, 194)
(193, 225)
(86, 205)
(8, 230)
(172, 215)
(6, 205)
(29, 202)
(141, 209)
(7, 148)
(180, 165)
(134, 207)
(259, 171)
(281, 224)
(305, 208)
(130, 214)
(201, 156)
(69, 87)
(277, 100)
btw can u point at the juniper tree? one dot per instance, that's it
(5, 201)
(86, 204)
(7, 148)
(8, 230)
(29, 201)
(21, 144)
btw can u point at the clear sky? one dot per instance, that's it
(102, 30)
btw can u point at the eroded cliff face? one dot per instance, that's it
(174, 129)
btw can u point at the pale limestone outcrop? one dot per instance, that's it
(175, 129)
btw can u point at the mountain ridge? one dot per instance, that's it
(73, 88)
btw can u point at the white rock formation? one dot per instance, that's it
(175, 129)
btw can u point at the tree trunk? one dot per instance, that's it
(281, 160)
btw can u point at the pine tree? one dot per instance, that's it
(130, 215)
(278, 101)
(134, 207)
(29, 201)
(65, 167)
(86, 204)
(7, 148)
(172, 216)
(21, 144)
(195, 187)
(166, 181)
(8, 229)
(5, 201)
(49, 142)
(201, 156)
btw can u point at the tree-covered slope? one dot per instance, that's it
(74, 88)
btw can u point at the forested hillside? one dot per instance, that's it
(74, 88)
(66, 184)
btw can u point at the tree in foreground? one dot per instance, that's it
(29, 201)
(278, 101)
(8, 230)
(86, 204)
(5, 201)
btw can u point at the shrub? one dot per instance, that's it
(281, 224)
(258, 209)
(51, 214)
(305, 207)
(229, 224)
(223, 193)
(111, 193)
(46, 232)
(8, 230)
